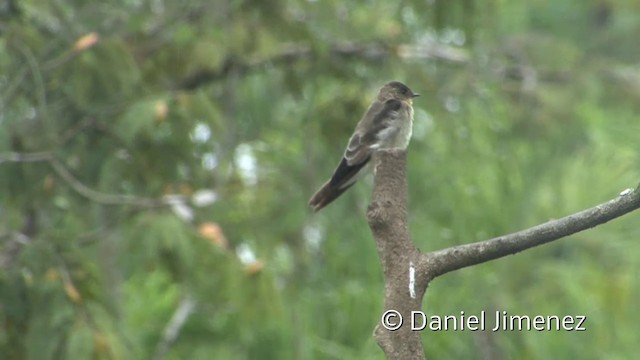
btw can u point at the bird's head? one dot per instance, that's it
(396, 90)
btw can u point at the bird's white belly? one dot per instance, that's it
(398, 136)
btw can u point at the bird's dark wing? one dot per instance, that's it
(374, 126)
(345, 175)
(376, 121)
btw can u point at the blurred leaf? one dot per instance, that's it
(139, 121)
(86, 41)
(72, 292)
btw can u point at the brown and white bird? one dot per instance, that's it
(386, 124)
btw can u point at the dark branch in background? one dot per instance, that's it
(407, 271)
(296, 52)
(84, 190)
(25, 157)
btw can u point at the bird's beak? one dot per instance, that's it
(415, 95)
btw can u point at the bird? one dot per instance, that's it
(386, 124)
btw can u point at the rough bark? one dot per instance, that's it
(387, 217)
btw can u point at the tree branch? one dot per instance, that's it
(87, 192)
(172, 330)
(25, 157)
(443, 261)
(109, 199)
(407, 272)
(404, 287)
(374, 51)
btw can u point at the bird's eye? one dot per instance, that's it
(404, 91)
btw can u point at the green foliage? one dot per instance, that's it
(144, 104)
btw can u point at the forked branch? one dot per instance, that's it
(407, 271)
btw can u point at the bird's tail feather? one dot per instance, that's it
(326, 195)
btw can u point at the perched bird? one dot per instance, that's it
(387, 124)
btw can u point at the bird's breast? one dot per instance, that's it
(402, 126)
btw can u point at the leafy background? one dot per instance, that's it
(171, 148)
